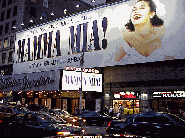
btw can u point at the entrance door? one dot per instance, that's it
(58, 103)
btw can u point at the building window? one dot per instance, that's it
(8, 13)
(9, 2)
(34, 1)
(15, 11)
(45, 3)
(10, 58)
(2, 16)
(12, 42)
(5, 42)
(6, 27)
(1, 29)
(33, 12)
(44, 16)
(3, 57)
(4, 3)
(13, 23)
(1, 46)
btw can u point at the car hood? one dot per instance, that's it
(67, 126)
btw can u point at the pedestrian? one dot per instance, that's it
(76, 110)
(122, 111)
(111, 111)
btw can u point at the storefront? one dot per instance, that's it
(168, 101)
(128, 100)
(31, 88)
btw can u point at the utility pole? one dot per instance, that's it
(80, 89)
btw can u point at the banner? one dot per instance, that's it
(125, 32)
(71, 80)
(47, 81)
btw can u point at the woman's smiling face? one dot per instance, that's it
(140, 13)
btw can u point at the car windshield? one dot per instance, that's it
(177, 119)
(62, 112)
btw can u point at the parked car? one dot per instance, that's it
(34, 107)
(75, 120)
(148, 125)
(94, 118)
(33, 125)
(7, 111)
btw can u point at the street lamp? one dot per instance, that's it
(80, 93)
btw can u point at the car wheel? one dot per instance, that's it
(105, 123)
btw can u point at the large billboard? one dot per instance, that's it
(125, 32)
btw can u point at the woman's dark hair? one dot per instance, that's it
(156, 21)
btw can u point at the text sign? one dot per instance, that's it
(71, 80)
(32, 81)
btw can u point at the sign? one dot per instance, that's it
(175, 94)
(127, 94)
(71, 80)
(48, 80)
(106, 37)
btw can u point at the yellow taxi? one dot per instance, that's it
(78, 121)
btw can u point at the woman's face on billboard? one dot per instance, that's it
(141, 13)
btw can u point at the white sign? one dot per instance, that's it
(71, 80)
(176, 94)
(106, 37)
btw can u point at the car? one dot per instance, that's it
(95, 118)
(148, 125)
(35, 107)
(7, 111)
(75, 120)
(34, 125)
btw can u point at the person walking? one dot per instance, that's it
(111, 111)
(122, 111)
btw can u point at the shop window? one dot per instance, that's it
(6, 27)
(10, 58)
(12, 42)
(15, 11)
(33, 12)
(5, 42)
(3, 57)
(1, 29)
(9, 2)
(4, 3)
(8, 13)
(2, 16)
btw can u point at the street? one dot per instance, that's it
(94, 130)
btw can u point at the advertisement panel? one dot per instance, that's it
(125, 32)
(47, 81)
(71, 80)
